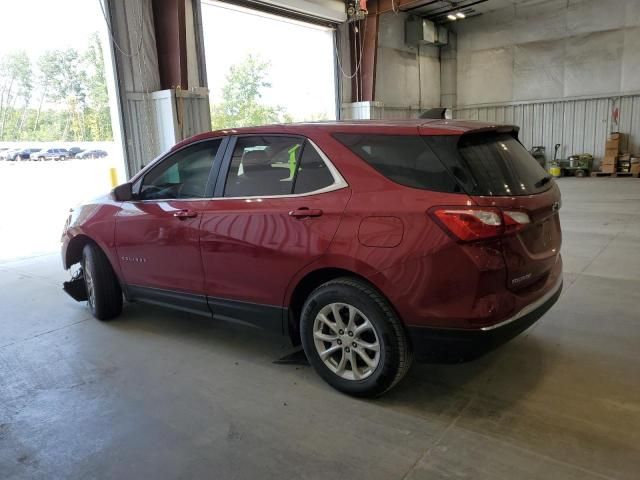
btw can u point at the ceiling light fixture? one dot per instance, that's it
(460, 15)
(452, 17)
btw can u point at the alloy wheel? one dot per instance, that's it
(346, 341)
(88, 280)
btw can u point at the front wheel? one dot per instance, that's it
(104, 295)
(353, 338)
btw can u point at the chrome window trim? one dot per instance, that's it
(338, 183)
(529, 308)
(156, 162)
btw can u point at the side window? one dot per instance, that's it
(263, 165)
(313, 174)
(183, 175)
(404, 159)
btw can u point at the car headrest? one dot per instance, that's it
(255, 161)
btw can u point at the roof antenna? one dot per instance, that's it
(439, 113)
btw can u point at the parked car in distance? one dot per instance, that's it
(3, 153)
(24, 154)
(369, 243)
(92, 153)
(11, 154)
(74, 151)
(51, 154)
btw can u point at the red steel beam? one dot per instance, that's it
(363, 48)
(369, 58)
(171, 43)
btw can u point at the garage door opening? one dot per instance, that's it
(57, 130)
(264, 68)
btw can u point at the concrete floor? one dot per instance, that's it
(158, 395)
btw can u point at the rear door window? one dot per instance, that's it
(493, 164)
(263, 166)
(404, 159)
(313, 174)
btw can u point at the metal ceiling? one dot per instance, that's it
(437, 10)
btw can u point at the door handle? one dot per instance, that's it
(305, 212)
(184, 214)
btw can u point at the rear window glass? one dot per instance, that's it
(404, 159)
(490, 164)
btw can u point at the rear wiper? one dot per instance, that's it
(543, 181)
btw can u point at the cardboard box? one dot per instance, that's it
(625, 157)
(635, 168)
(609, 161)
(608, 168)
(613, 145)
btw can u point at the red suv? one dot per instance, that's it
(370, 243)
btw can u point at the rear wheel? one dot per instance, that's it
(104, 295)
(353, 338)
(580, 173)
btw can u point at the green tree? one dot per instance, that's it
(98, 117)
(69, 90)
(15, 84)
(241, 94)
(49, 74)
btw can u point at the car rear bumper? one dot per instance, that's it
(443, 345)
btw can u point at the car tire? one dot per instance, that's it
(63, 158)
(104, 295)
(371, 329)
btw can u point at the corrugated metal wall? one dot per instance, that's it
(159, 120)
(580, 126)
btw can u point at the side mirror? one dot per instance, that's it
(122, 193)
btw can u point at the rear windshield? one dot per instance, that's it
(490, 164)
(478, 164)
(404, 159)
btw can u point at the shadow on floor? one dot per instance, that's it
(503, 376)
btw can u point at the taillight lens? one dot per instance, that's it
(480, 223)
(515, 220)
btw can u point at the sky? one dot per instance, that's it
(39, 25)
(301, 56)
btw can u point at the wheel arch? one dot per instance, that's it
(74, 250)
(309, 282)
(73, 254)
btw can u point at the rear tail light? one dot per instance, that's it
(514, 221)
(479, 223)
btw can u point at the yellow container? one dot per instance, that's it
(555, 171)
(113, 173)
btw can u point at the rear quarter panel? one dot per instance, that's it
(427, 276)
